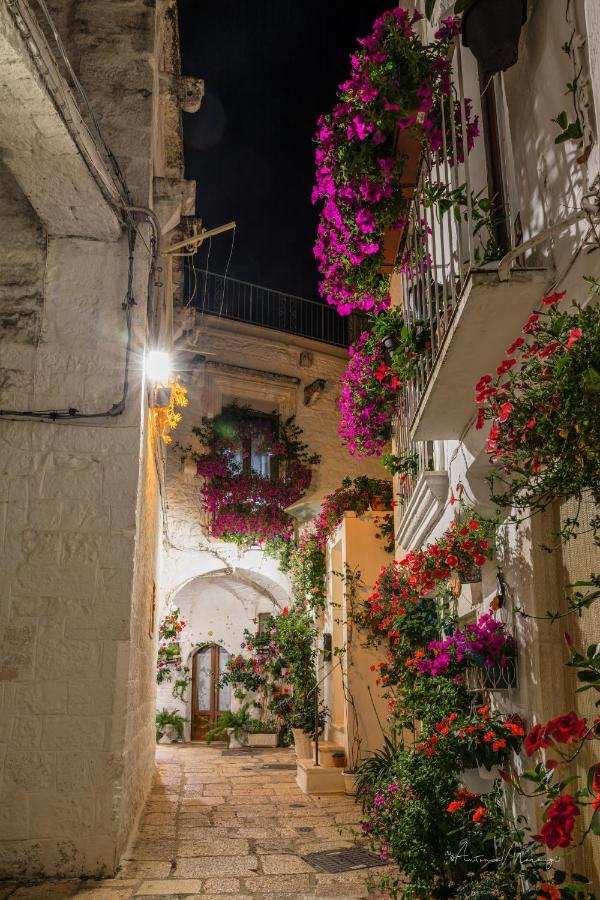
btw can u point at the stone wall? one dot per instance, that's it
(79, 498)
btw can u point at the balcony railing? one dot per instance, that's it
(244, 302)
(451, 231)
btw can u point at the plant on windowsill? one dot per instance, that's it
(247, 506)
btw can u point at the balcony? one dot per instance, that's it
(454, 241)
(229, 298)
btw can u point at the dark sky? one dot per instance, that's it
(271, 67)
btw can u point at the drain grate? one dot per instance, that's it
(344, 860)
(298, 806)
(280, 766)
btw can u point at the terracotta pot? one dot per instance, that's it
(379, 504)
(408, 146)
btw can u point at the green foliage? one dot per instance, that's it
(240, 721)
(166, 717)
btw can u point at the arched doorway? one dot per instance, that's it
(208, 699)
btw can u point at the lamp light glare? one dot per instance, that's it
(158, 367)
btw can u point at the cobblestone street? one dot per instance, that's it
(217, 826)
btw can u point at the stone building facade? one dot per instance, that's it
(79, 141)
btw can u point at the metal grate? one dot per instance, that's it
(344, 860)
(280, 766)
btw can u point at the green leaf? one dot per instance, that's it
(562, 120)
(559, 876)
(591, 380)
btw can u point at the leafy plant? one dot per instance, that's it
(240, 721)
(166, 718)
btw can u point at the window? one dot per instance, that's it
(252, 456)
(263, 622)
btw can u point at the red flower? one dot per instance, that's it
(515, 346)
(483, 382)
(455, 805)
(531, 323)
(479, 814)
(452, 561)
(479, 423)
(566, 728)
(574, 335)
(596, 802)
(286, 611)
(551, 299)
(536, 739)
(505, 365)
(473, 524)
(548, 892)
(505, 411)
(557, 830)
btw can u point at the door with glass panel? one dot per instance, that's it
(208, 700)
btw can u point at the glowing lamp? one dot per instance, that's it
(158, 367)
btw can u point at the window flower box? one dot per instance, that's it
(499, 677)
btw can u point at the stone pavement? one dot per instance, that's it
(218, 826)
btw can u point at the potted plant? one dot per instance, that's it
(262, 733)
(491, 31)
(169, 724)
(234, 724)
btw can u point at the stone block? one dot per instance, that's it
(81, 732)
(14, 816)
(26, 732)
(49, 698)
(172, 887)
(59, 816)
(33, 770)
(208, 866)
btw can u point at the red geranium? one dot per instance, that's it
(536, 739)
(566, 728)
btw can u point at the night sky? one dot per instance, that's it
(271, 67)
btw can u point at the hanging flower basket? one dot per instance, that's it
(499, 677)
(408, 147)
(469, 574)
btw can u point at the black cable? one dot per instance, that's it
(71, 413)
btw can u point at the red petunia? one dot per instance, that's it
(505, 365)
(480, 421)
(455, 806)
(515, 346)
(551, 299)
(479, 814)
(575, 334)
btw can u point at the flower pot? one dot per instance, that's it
(379, 504)
(491, 30)
(350, 786)
(234, 743)
(479, 780)
(301, 743)
(262, 739)
(407, 145)
(492, 678)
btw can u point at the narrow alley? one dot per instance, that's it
(221, 824)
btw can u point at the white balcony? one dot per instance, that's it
(488, 316)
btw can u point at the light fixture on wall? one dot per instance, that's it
(158, 366)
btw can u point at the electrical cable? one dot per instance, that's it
(226, 273)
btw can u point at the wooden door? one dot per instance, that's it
(208, 700)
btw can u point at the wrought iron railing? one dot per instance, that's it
(245, 302)
(452, 229)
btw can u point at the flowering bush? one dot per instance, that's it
(247, 673)
(479, 738)
(485, 643)
(372, 379)
(171, 626)
(423, 572)
(396, 84)
(306, 563)
(247, 507)
(169, 660)
(543, 403)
